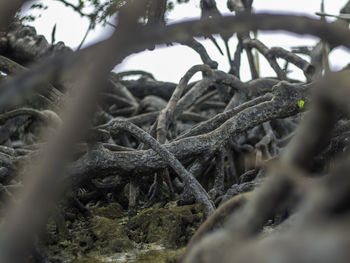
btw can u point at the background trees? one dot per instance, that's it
(207, 141)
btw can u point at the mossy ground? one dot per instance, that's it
(155, 234)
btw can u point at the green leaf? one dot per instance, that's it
(53, 35)
(301, 103)
(170, 6)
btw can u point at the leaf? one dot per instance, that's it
(301, 103)
(170, 6)
(53, 35)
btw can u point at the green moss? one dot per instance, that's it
(170, 226)
(160, 256)
(111, 211)
(106, 236)
(86, 260)
(110, 236)
(151, 256)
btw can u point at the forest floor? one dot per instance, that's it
(155, 234)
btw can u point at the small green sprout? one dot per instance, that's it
(301, 103)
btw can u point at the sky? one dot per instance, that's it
(171, 63)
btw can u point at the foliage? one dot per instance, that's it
(29, 17)
(301, 104)
(97, 11)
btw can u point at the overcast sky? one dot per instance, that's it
(170, 63)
